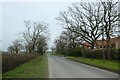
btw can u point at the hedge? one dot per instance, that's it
(74, 52)
(98, 54)
(11, 61)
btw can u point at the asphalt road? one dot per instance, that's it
(59, 67)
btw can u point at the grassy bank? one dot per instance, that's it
(108, 65)
(36, 68)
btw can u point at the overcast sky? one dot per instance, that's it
(13, 13)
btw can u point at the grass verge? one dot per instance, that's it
(36, 68)
(107, 65)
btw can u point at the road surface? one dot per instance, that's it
(59, 67)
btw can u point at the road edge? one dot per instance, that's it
(96, 66)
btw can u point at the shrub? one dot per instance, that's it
(11, 61)
(87, 53)
(98, 54)
(75, 52)
(115, 54)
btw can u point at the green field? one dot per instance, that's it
(36, 68)
(108, 65)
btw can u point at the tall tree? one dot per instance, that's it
(72, 39)
(60, 44)
(110, 21)
(41, 44)
(32, 33)
(84, 20)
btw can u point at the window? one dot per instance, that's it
(104, 46)
(100, 46)
(112, 45)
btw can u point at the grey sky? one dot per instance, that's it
(13, 15)
(0, 25)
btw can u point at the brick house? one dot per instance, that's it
(114, 43)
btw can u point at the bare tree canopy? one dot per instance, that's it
(32, 33)
(15, 47)
(110, 20)
(41, 44)
(87, 20)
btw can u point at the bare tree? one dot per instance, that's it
(60, 44)
(32, 33)
(53, 49)
(10, 49)
(110, 21)
(84, 20)
(72, 39)
(15, 47)
(41, 44)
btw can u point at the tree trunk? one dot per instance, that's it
(108, 48)
(92, 46)
(33, 48)
(16, 52)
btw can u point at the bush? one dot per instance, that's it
(75, 52)
(115, 54)
(98, 54)
(11, 61)
(87, 53)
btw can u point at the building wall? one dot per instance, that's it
(114, 43)
(118, 44)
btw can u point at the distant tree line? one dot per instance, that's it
(34, 39)
(87, 22)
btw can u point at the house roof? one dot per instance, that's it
(86, 44)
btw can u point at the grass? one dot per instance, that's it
(36, 68)
(52, 53)
(108, 65)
